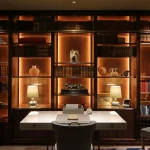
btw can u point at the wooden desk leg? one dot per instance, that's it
(143, 146)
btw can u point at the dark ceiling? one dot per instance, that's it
(79, 5)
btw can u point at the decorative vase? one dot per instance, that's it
(114, 72)
(102, 71)
(34, 71)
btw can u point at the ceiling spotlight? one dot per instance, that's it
(73, 2)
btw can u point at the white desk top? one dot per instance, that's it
(41, 120)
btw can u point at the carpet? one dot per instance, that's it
(95, 148)
(123, 148)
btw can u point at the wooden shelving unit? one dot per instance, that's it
(144, 72)
(45, 39)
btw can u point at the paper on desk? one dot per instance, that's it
(72, 106)
(72, 116)
(63, 118)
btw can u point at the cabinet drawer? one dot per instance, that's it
(110, 126)
(33, 126)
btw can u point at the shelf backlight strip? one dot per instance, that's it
(20, 82)
(128, 66)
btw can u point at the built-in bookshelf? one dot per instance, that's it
(4, 54)
(116, 52)
(105, 42)
(144, 71)
(31, 49)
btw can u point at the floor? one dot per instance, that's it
(29, 147)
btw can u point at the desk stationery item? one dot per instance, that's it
(72, 106)
(73, 109)
(127, 102)
(89, 111)
(72, 117)
(79, 118)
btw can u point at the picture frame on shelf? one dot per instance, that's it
(127, 103)
(104, 99)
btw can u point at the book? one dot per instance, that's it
(148, 109)
(143, 109)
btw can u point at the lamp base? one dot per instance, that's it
(33, 104)
(115, 103)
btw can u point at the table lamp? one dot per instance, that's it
(115, 92)
(32, 92)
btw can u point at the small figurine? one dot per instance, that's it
(74, 56)
(74, 86)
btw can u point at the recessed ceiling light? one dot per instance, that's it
(73, 2)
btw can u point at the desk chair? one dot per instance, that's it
(145, 133)
(73, 136)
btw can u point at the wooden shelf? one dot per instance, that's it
(31, 76)
(109, 107)
(73, 94)
(40, 106)
(144, 76)
(115, 77)
(77, 63)
(144, 92)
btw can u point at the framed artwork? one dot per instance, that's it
(104, 99)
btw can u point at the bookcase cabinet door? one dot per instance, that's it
(4, 55)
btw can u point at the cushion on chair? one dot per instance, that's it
(145, 132)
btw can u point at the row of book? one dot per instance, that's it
(145, 25)
(3, 86)
(145, 86)
(3, 71)
(67, 71)
(145, 109)
(145, 38)
(116, 51)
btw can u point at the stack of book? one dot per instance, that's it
(145, 86)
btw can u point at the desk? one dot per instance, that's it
(42, 120)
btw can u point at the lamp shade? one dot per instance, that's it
(115, 91)
(32, 91)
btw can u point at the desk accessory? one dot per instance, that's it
(32, 92)
(72, 117)
(127, 102)
(69, 109)
(115, 92)
(89, 111)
